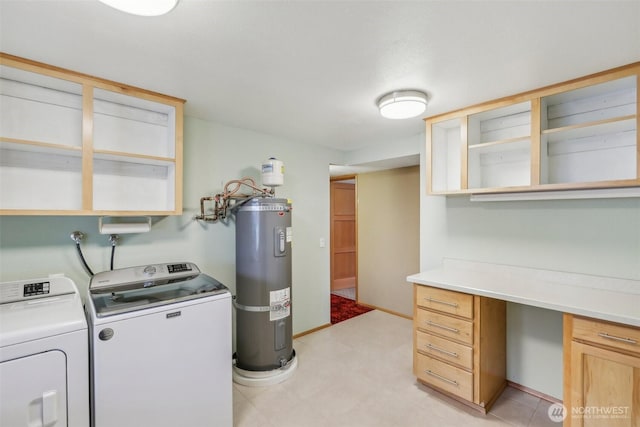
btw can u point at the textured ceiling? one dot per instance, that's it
(311, 71)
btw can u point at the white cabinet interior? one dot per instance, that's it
(448, 141)
(75, 144)
(589, 134)
(41, 145)
(134, 153)
(499, 143)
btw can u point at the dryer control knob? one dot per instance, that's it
(149, 270)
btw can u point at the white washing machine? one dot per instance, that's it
(160, 348)
(44, 361)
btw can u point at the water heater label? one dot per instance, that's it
(289, 234)
(279, 304)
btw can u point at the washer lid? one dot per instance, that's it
(40, 315)
(116, 300)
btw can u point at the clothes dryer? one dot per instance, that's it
(44, 362)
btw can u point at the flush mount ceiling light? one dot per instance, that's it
(143, 7)
(402, 104)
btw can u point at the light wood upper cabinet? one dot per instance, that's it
(575, 135)
(72, 144)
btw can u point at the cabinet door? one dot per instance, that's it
(605, 388)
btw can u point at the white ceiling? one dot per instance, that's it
(311, 71)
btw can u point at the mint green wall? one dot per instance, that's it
(599, 236)
(36, 246)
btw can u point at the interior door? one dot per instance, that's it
(33, 390)
(343, 235)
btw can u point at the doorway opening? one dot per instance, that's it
(343, 228)
(344, 249)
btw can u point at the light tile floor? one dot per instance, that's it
(358, 373)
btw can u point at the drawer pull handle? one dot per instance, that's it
(437, 301)
(441, 378)
(446, 328)
(442, 350)
(613, 337)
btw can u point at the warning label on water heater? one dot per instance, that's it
(279, 304)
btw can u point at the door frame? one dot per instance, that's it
(336, 179)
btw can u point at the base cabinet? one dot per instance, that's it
(602, 373)
(460, 345)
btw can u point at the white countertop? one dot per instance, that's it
(606, 298)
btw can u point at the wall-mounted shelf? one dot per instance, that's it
(36, 146)
(575, 135)
(599, 193)
(73, 144)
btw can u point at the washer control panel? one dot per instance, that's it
(179, 268)
(142, 276)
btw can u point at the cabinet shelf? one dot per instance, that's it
(133, 158)
(613, 125)
(600, 151)
(37, 146)
(499, 145)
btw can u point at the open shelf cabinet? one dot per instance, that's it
(73, 144)
(579, 134)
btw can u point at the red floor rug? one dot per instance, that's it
(345, 308)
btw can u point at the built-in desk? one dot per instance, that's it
(601, 332)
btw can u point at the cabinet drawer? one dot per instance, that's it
(444, 349)
(444, 376)
(610, 334)
(446, 326)
(446, 301)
